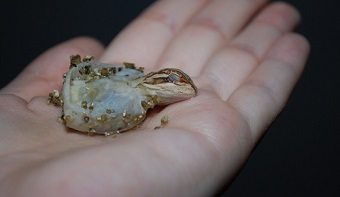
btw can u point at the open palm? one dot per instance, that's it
(242, 56)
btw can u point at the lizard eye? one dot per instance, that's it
(173, 78)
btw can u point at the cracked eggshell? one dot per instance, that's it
(102, 104)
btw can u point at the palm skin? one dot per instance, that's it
(244, 70)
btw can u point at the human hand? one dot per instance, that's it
(245, 61)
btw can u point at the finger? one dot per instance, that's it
(271, 24)
(45, 73)
(209, 30)
(145, 39)
(232, 64)
(260, 98)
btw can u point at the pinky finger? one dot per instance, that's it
(262, 96)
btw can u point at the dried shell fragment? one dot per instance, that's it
(55, 98)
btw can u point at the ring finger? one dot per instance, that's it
(233, 63)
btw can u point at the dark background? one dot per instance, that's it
(299, 155)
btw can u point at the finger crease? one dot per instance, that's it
(210, 24)
(262, 87)
(163, 19)
(242, 117)
(247, 50)
(279, 28)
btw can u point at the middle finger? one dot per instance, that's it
(206, 32)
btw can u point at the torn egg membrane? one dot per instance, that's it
(102, 102)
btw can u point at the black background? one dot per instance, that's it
(299, 155)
